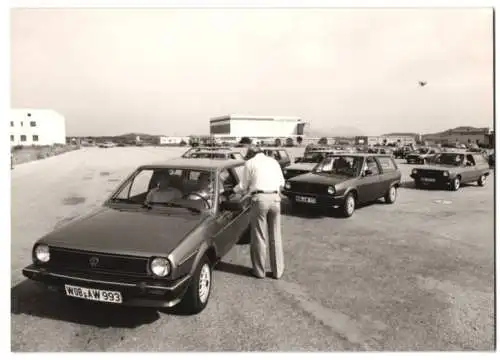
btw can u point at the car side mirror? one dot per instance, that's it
(367, 172)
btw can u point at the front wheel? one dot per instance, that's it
(455, 184)
(198, 293)
(349, 205)
(391, 195)
(482, 180)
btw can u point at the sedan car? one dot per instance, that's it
(195, 149)
(154, 242)
(280, 154)
(345, 180)
(306, 163)
(421, 156)
(451, 169)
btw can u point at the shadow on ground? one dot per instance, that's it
(411, 185)
(236, 269)
(32, 299)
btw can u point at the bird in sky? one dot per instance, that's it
(422, 83)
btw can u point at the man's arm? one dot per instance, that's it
(243, 184)
(280, 177)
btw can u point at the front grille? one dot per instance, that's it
(430, 173)
(309, 188)
(81, 261)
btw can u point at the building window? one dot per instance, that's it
(21, 123)
(35, 137)
(29, 114)
(23, 137)
(32, 123)
(12, 123)
(12, 138)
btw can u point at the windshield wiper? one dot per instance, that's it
(172, 204)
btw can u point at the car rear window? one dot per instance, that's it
(386, 163)
(283, 154)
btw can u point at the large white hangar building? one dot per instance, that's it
(234, 127)
(36, 127)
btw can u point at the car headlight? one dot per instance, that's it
(288, 185)
(331, 190)
(446, 173)
(42, 253)
(414, 171)
(160, 266)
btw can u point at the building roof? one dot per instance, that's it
(196, 163)
(254, 117)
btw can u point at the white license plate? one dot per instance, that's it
(428, 179)
(305, 199)
(94, 294)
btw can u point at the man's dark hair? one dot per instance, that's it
(245, 140)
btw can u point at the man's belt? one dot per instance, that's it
(262, 192)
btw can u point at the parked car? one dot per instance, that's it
(306, 163)
(451, 170)
(194, 149)
(344, 181)
(144, 250)
(316, 147)
(402, 152)
(217, 154)
(280, 154)
(106, 144)
(421, 156)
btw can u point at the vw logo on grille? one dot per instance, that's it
(93, 261)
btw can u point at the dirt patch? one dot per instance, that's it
(113, 180)
(104, 173)
(74, 200)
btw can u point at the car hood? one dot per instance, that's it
(324, 179)
(438, 167)
(126, 232)
(301, 166)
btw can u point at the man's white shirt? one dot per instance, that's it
(261, 173)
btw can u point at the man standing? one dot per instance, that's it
(263, 179)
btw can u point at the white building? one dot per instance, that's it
(237, 126)
(36, 127)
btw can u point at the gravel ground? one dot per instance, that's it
(416, 275)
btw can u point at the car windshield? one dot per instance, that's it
(342, 165)
(423, 151)
(206, 155)
(170, 187)
(449, 159)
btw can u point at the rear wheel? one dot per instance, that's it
(455, 184)
(198, 293)
(349, 205)
(391, 195)
(482, 180)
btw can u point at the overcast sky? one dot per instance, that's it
(111, 71)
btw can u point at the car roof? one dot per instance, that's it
(196, 163)
(360, 154)
(217, 151)
(273, 148)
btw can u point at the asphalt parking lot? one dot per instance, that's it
(415, 275)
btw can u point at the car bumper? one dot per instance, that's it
(436, 181)
(143, 293)
(321, 201)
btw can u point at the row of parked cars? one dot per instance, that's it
(140, 250)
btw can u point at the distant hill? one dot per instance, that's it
(402, 134)
(460, 129)
(134, 135)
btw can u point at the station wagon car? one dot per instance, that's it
(306, 163)
(217, 154)
(154, 242)
(451, 169)
(280, 154)
(345, 180)
(195, 149)
(421, 156)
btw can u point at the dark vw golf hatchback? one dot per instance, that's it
(345, 180)
(154, 242)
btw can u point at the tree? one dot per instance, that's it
(277, 142)
(299, 140)
(289, 142)
(323, 141)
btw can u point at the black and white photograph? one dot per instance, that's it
(251, 179)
